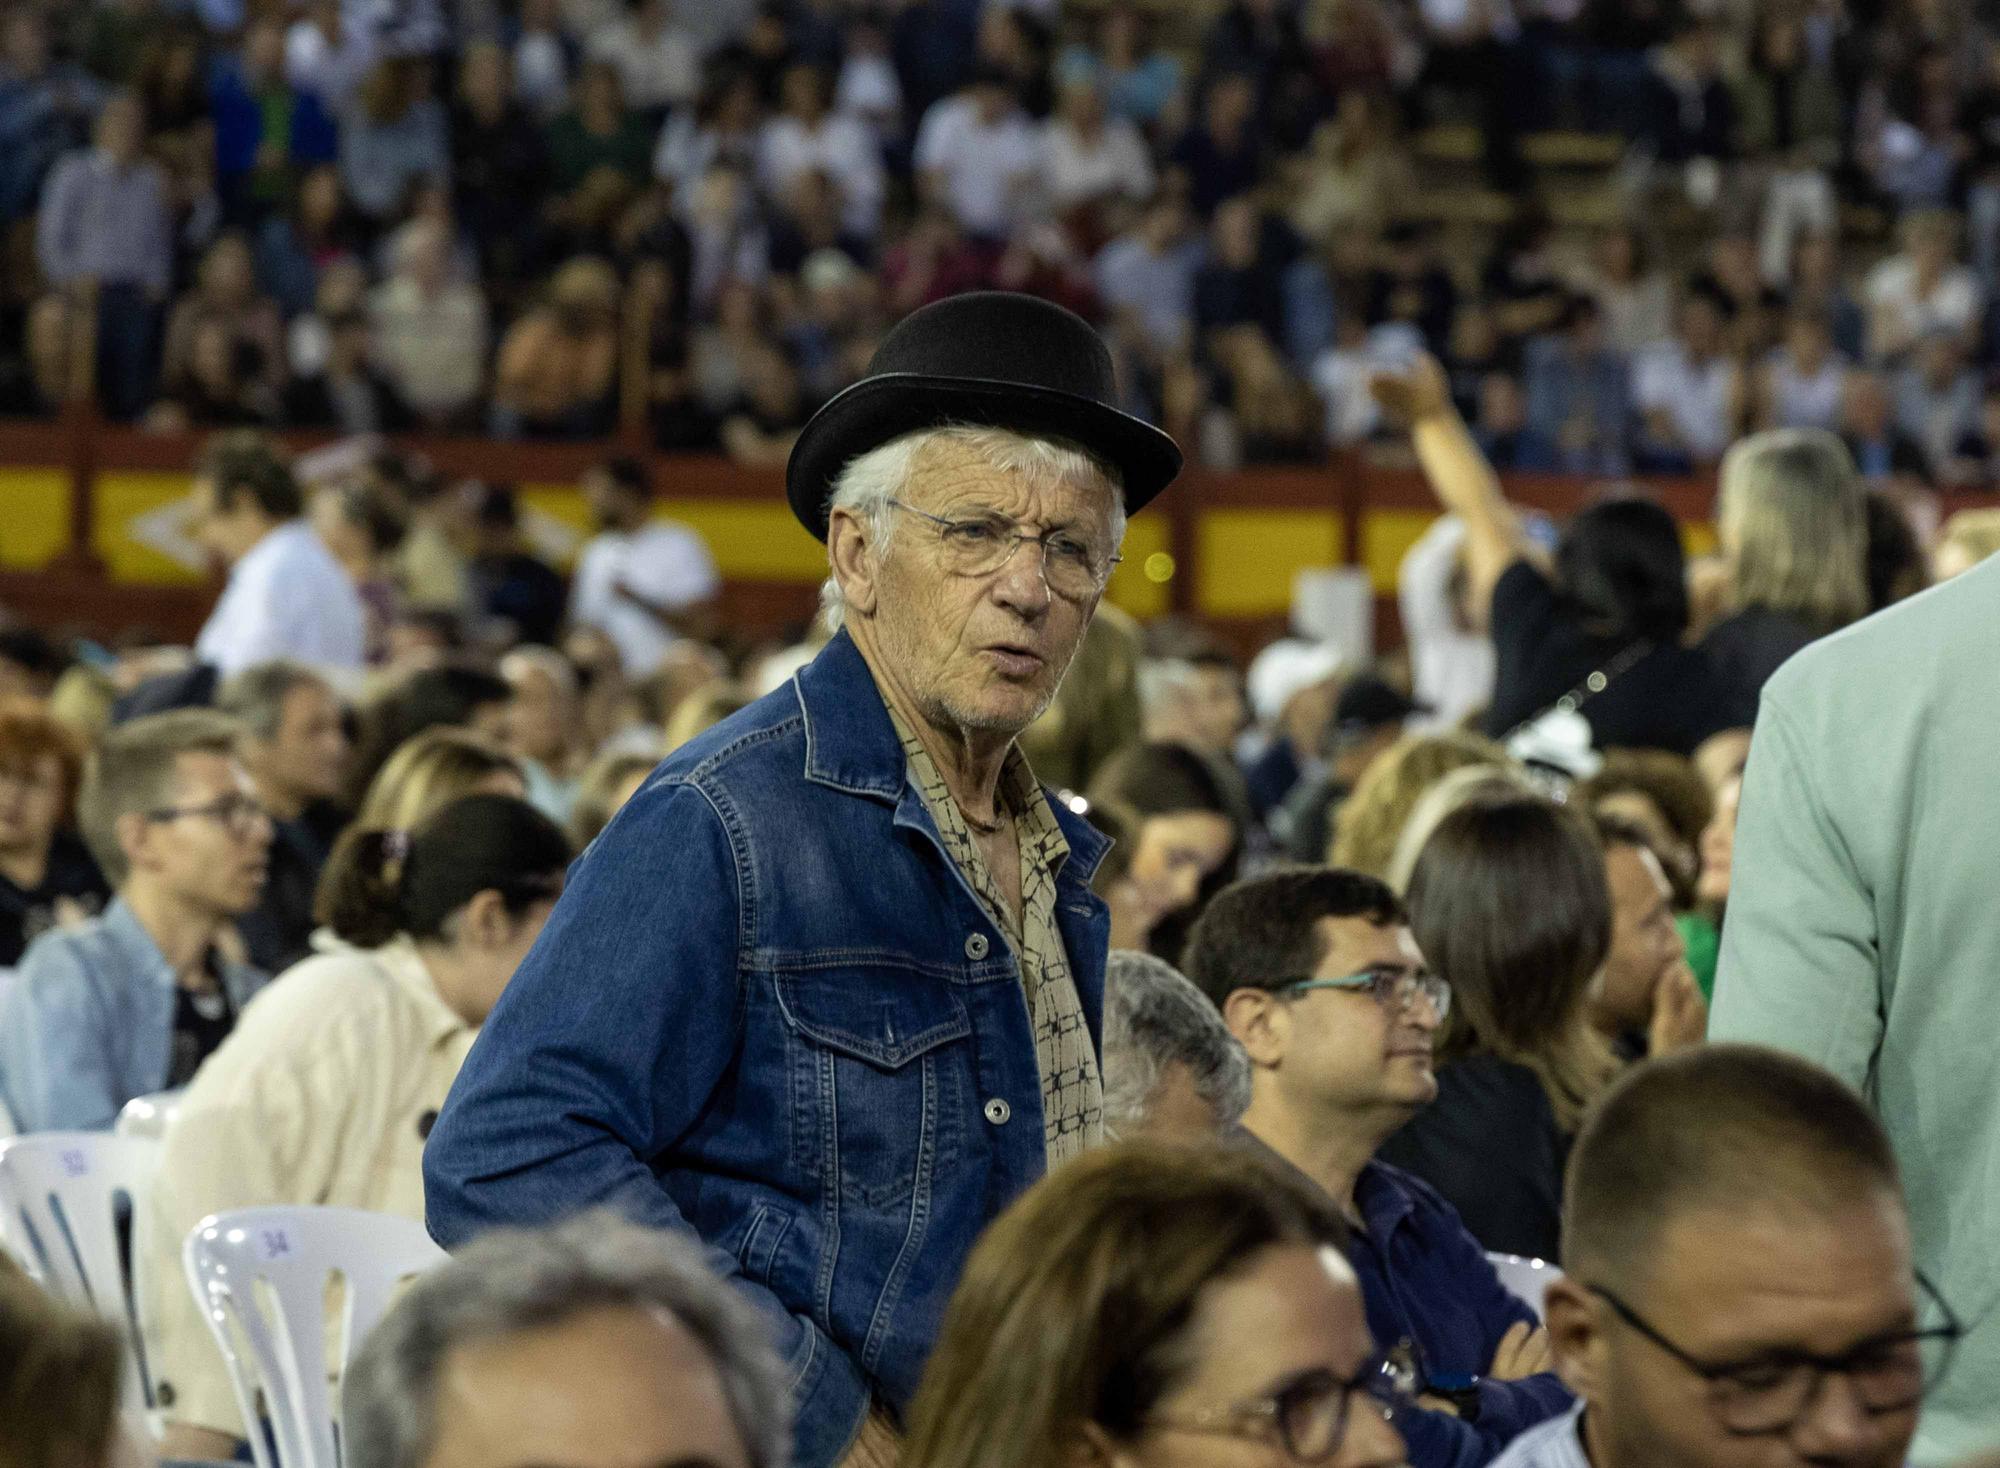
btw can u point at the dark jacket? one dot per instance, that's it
(770, 1013)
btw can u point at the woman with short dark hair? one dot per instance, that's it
(1188, 838)
(1510, 905)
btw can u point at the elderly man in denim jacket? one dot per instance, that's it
(827, 992)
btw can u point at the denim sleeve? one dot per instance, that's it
(603, 1050)
(55, 1046)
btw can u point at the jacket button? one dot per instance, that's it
(997, 1111)
(975, 947)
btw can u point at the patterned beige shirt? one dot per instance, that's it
(1072, 1087)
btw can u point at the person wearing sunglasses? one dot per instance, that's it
(1153, 1305)
(1740, 1290)
(134, 1000)
(1316, 972)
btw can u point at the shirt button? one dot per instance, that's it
(975, 947)
(997, 1111)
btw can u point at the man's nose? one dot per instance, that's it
(1836, 1427)
(1022, 582)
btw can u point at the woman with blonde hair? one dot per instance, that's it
(433, 769)
(1968, 538)
(1510, 904)
(1792, 514)
(1144, 1302)
(1371, 821)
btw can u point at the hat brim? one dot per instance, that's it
(878, 409)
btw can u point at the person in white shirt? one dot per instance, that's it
(1687, 391)
(1087, 156)
(656, 59)
(1923, 290)
(644, 583)
(976, 154)
(806, 136)
(328, 56)
(1451, 655)
(1739, 1287)
(287, 597)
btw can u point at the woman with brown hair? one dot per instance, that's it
(46, 876)
(1144, 1301)
(59, 1382)
(1510, 905)
(1188, 842)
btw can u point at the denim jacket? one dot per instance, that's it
(88, 1022)
(770, 1012)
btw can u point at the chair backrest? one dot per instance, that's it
(149, 1116)
(1528, 1279)
(68, 1204)
(275, 1338)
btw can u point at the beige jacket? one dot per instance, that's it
(322, 1094)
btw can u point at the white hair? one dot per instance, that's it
(869, 481)
(1155, 1017)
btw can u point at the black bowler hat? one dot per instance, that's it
(991, 358)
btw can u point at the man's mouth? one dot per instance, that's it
(1015, 660)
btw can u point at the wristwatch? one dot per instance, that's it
(1460, 1388)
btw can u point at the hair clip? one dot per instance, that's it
(396, 845)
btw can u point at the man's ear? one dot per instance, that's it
(1260, 1023)
(1572, 1315)
(853, 560)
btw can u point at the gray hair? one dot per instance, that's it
(1161, 679)
(515, 1280)
(1794, 519)
(1155, 1017)
(558, 669)
(255, 697)
(870, 481)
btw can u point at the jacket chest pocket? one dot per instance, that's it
(879, 1064)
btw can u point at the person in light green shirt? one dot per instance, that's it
(1864, 930)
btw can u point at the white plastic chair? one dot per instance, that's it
(149, 1116)
(60, 1216)
(1527, 1279)
(276, 1342)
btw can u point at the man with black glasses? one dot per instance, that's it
(134, 1000)
(1317, 974)
(1740, 1290)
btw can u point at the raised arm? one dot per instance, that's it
(1459, 475)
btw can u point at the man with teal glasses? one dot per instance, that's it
(1316, 972)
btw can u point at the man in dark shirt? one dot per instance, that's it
(1317, 974)
(295, 748)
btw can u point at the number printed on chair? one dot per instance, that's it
(75, 1163)
(273, 1244)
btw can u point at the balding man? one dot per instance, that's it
(1740, 1289)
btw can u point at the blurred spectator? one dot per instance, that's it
(1172, 1070)
(1141, 83)
(1472, 46)
(430, 330)
(133, 1001)
(1368, 719)
(542, 727)
(758, 429)
(601, 792)
(1579, 392)
(1921, 290)
(805, 136)
(363, 524)
(1969, 537)
(722, 127)
(297, 243)
(1451, 657)
(47, 877)
(286, 595)
(429, 771)
(44, 377)
(1684, 105)
(499, 161)
(61, 1373)
(1293, 686)
(1221, 156)
(441, 696)
(976, 156)
(1937, 397)
(293, 745)
(644, 582)
(867, 87)
(226, 294)
(542, 58)
(215, 386)
(46, 107)
(1505, 434)
(1648, 1002)
(658, 64)
(1817, 284)
(1801, 383)
(557, 370)
(347, 393)
(1370, 824)
(1189, 841)
(394, 137)
(1237, 285)
(1356, 172)
(1146, 279)
(509, 580)
(1090, 158)
(1637, 300)
(1408, 285)
(105, 232)
(727, 241)
(1196, 701)
(266, 130)
(329, 57)
(598, 149)
(1688, 391)
(1868, 427)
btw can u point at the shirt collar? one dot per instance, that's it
(401, 961)
(1382, 1200)
(142, 955)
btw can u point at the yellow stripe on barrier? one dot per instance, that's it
(121, 500)
(34, 517)
(1249, 557)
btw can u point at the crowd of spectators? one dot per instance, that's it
(693, 221)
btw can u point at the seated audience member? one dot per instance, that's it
(133, 1001)
(1665, 797)
(1368, 719)
(294, 746)
(1368, 828)
(287, 597)
(1172, 1070)
(1794, 528)
(1648, 1001)
(644, 582)
(1292, 684)
(508, 579)
(326, 1090)
(363, 525)
(558, 364)
(610, 780)
(430, 771)
(448, 697)
(542, 726)
(60, 1374)
(595, 1343)
(1317, 974)
(1610, 607)
(1190, 833)
(1968, 538)
(1469, 786)
(1739, 1277)
(1152, 1305)
(47, 878)
(1510, 905)
(1197, 701)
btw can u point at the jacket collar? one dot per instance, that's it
(139, 955)
(851, 744)
(401, 961)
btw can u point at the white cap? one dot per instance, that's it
(1287, 668)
